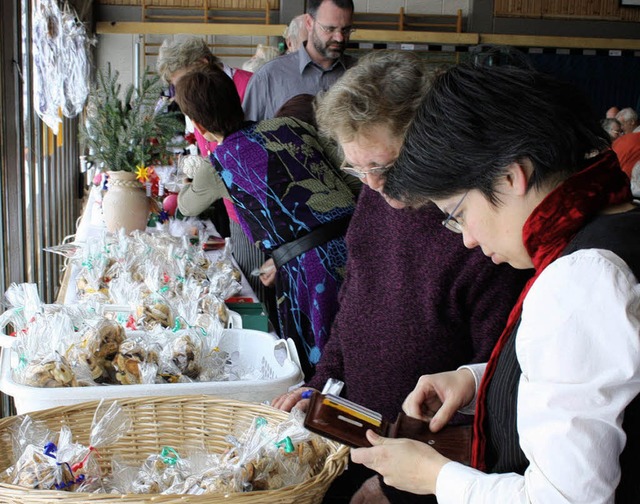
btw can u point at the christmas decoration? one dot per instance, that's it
(123, 131)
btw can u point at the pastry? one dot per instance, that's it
(153, 314)
(50, 373)
(186, 355)
(127, 362)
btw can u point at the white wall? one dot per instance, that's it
(119, 50)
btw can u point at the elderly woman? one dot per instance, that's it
(175, 57)
(430, 304)
(613, 127)
(556, 419)
(289, 198)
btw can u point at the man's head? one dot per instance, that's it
(177, 55)
(628, 118)
(612, 112)
(369, 110)
(329, 25)
(209, 97)
(296, 33)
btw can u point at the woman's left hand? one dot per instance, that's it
(405, 464)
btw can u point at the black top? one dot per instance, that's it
(619, 233)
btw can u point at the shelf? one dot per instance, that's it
(365, 35)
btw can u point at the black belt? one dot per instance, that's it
(322, 234)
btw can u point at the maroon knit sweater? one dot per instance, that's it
(414, 301)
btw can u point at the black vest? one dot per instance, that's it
(619, 233)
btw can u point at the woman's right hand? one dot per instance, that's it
(268, 273)
(437, 397)
(289, 400)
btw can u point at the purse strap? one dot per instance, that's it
(318, 236)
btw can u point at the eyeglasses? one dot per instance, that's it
(330, 30)
(451, 223)
(361, 174)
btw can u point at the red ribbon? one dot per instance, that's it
(79, 465)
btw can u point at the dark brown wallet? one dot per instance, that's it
(344, 421)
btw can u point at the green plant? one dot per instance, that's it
(123, 131)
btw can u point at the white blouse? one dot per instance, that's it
(578, 345)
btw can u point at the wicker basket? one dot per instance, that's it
(179, 421)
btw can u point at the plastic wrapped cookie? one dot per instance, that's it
(210, 483)
(103, 339)
(99, 346)
(135, 363)
(186, 354)
(34, 469)
(50, 372)
(212, 304)
(152, 314)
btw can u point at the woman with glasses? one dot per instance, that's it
(289, 198)
(556, 406)
(414, 300)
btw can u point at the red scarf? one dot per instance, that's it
(546, 233)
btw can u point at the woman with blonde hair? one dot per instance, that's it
(414, 299)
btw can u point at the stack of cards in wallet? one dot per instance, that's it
(342, 420)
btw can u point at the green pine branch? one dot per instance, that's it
(124, 132)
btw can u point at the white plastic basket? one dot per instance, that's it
(275, 359)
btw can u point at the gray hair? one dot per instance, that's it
(179, 53)
(296, 32)
(383, 88)
(264, 53)
(627, 115)
(608, 123)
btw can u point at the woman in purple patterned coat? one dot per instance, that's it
(289, 198)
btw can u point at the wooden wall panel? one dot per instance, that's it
(605, 10)
(213, 4)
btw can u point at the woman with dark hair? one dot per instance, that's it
(289, 199)
(521, 167)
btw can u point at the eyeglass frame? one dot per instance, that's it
(451, 223)
(361, 174)
(330, 30)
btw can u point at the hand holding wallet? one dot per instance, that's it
(347, 422)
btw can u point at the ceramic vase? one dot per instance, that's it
(125, 204)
